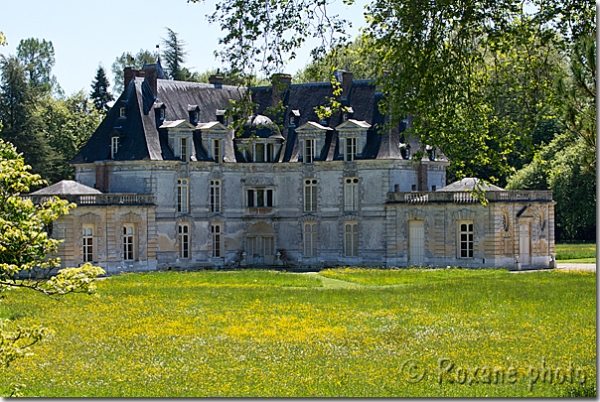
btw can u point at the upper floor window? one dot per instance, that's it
(182, 196)
(88, 243)
(217, 151)
(114, 146)
(465, 232)
(351, 194)
(128, 242)
(310, 195)
(259, 197)
(309, 150)
(122, 111)
(184, 241)
(263, 152)
(184, 149)
(215, 196)
(350, 153)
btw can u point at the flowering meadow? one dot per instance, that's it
(343, 332)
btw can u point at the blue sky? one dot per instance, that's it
(86, 34)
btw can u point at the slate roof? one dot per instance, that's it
(67, 187)
(143, 134)
(467, 184)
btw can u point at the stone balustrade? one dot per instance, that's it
(465, 197)
(98, 199)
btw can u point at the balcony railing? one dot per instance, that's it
(464, 197)
(98, 199)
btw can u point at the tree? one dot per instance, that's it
(174, 57)
(68, 124)
(128, 60)
(21, 124)
(38, 59)
(558, 166)
(2, 39)
(100, 94)
(24, 247)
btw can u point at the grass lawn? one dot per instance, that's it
(344, 332)
(583, 253)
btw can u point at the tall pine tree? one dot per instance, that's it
(100, 94)
(175, 56)
(21, 124)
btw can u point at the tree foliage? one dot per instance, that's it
(24, 249)
(127, 59)
(37, 56)
(100, 94)
(174, 57)
(21, 124)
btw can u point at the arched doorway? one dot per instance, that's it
(260, 244)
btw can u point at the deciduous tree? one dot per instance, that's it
(127, 59)
(24, 249)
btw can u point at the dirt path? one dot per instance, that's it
(577, 267)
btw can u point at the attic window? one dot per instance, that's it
(161, 113)
(122, 111)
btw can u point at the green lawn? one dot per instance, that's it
(572, 251)
(345, 332)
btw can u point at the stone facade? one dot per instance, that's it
(179, 190)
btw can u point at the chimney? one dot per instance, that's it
(345, 78)
(151, 74)
(281, 83)
(216, 80)
(128, 74)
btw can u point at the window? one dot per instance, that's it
(88, 243)
(216, 240)
(123, 111)
(217, 154)
(128, 242)
(433, 188)
(310, 239)
(114, 146)
(183, 149)
(263, 152)
(260, 198)
(351, 239)
(182, 196)
(413, 187)
(466, 239)
(350, 154)
(184, 241)
(259, 152)
(215, 196)
(161, 113)
(309, 151)
(351, 194)
(310, 195)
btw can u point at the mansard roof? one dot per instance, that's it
(143, 131)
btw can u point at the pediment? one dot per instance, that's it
(353, 125)
(312, 126)
(178, 124)
(214, 126)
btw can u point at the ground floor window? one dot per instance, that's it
(216, 240)
(351, 239)
(88, 243)
(310, 239)
(184, 241)
(128, 242)
(465, 232)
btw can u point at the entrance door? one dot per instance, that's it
(260, 244)
(525, 243)
(416, 242)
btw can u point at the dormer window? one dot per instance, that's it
(161, 113)
(217, 150)
(194, 114)
(184, 149)
(350, 151)
(220, 116)
(114, 146)
(309, 150)
(122, 111)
